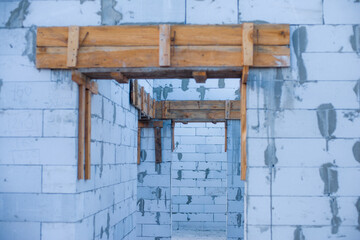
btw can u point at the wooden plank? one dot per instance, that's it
(138, 145)
(200, 77)
(81, 132)
(164, 45)
(267, 34)
(157, 134)
(196, 110)
(150, 124)
(73, 46)
(142, 99)
(243, 132)
(87, 134)
(245, 74)
(227, 109)
(148, 109)
(119, 77)
(148, 57)
(248, 46)
(81, 79)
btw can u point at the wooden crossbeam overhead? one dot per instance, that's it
(190, 111)
(139, 47)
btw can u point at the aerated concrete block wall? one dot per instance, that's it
(198, 177)
(303, 143)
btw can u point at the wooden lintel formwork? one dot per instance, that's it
(142, 101)
(197, 111)
(192, 47)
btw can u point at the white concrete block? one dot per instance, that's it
(23, 95)
(156, 230)
(341, 12)
(211, 12)
(20, 179)
(59, 179)
(347, 177)
(301, 211)
(5, 11)
(19, 231)
(329, 38)
(210, 132)
(325, 66)
(201, 148)
(297, 182)
(21, 123)
(63, 13)
(13, 40)
(258, 181)
(49, 151)
(57, 231)
(19, 68)
(157, 11)
(258, 210)
(281, 11)
(60, 123)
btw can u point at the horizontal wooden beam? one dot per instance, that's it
(200, 77)
(150, 124)
(197, 110)
(196, 35)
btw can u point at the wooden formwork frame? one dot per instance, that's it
(165, 51)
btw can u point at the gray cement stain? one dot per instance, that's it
(30, 48)
(355, 38)
(329, 176)
(158, 168)
(270, 155)
(179, 155)
(114, 113)
(167, 90)
(109, 16)
(356, 151)
(1, 84)
(107, 229)
(157, 92)
(185, 84)
(357, 91)
(189, 199)
(157, 218)
(18, 15)
(298, 234)
(239, 219)
(158, 193)
(239, 196)
(357, 205)
(179, 175)
(335, 220)
(326, 118)
(102, 109)
(221, 83)
(141, 176)
(143, 155)
(207, 171)
(101, 159)
(141, 203)
(202, 91)
(300, 41)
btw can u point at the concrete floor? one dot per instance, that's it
(198, 235)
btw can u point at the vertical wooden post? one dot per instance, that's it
(157, 135)
(87, 134)
(164, 45)
(243, 129)
(81, 132)
(138, 145)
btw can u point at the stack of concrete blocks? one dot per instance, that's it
(153, 218)
(198, 177)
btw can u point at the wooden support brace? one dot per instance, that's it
(157, 134)
(225, 136)
(81, 132)
(243, 132)
(248, 44)
(142, 99)
(227, 109)
(164, 45)
(172, 135)
(200, 77)
(81, 79)
(148, 109)
(72, 46)
(119, 77)
(87, 134)
(138, 145)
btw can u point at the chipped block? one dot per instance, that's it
(20, 179)
(211, 12)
